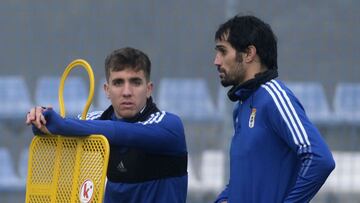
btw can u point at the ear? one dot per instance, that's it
(149, 89)
(250, 54)
(106, 90)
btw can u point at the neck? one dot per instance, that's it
(117, 115)
(244, 90)
(252, 70)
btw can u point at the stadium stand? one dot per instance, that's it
(15, 98)
(23, 164)
(317, 41)
(312, 97)
(347, 102)
(224, 105)
(193, 182)
(346, 176)
(102, 101)
(225, 109)
(75, 93)
(191, 100)
(188, 97)
(212, 170)
(9, 181)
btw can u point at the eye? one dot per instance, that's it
(221, 50)
(137, 82)
(117, 82)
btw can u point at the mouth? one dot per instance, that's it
(221, 73)
(127, 104)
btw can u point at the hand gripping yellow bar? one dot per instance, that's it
(66, 168)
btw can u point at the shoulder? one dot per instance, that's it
(92, 115)
(277, 92)
(165, 120)
(162, 117)
(280, 97)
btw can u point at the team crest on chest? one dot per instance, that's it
(252, 118)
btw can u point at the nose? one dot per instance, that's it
(127, 91)
(217, 60)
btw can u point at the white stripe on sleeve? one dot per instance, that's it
(293, 111)
(287, 111)
(282, 113)
(156, 117)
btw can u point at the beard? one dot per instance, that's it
(226, 83)
(234, 77)
(225, 77)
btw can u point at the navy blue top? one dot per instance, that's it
(161, 133)
(276, 154)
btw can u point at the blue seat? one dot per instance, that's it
(75, 94)
(102, 101)
(347, 102)
(23, 164)
(212, 170)
(15, 98)
(187, 97)
(312, 96)
(9, 181)
(225, 106)
(346, 176)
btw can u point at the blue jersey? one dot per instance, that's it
(161, 133)
(276, 154)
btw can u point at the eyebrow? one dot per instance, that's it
(117, 80)
(135, 79)
(220, 47)
(131, 78)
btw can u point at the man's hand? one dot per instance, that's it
(35, 116)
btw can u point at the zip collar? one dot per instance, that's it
(243, 91)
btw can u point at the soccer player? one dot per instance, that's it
(276, 154)
(148, 155)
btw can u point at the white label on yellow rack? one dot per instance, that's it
(86, 191)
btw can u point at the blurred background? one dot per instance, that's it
(318, 57)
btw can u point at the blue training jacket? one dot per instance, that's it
(276, 155)
(162, 133)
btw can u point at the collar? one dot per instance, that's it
(245, 89)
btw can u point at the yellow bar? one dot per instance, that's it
(73, 64)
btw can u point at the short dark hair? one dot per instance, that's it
(127, 58)
(243, 31)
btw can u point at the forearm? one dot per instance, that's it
(74, 127)
(149, 137)
(303, 191)
(312, 175)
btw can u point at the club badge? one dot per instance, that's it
(252, 118)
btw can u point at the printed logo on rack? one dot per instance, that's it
(86, 191)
